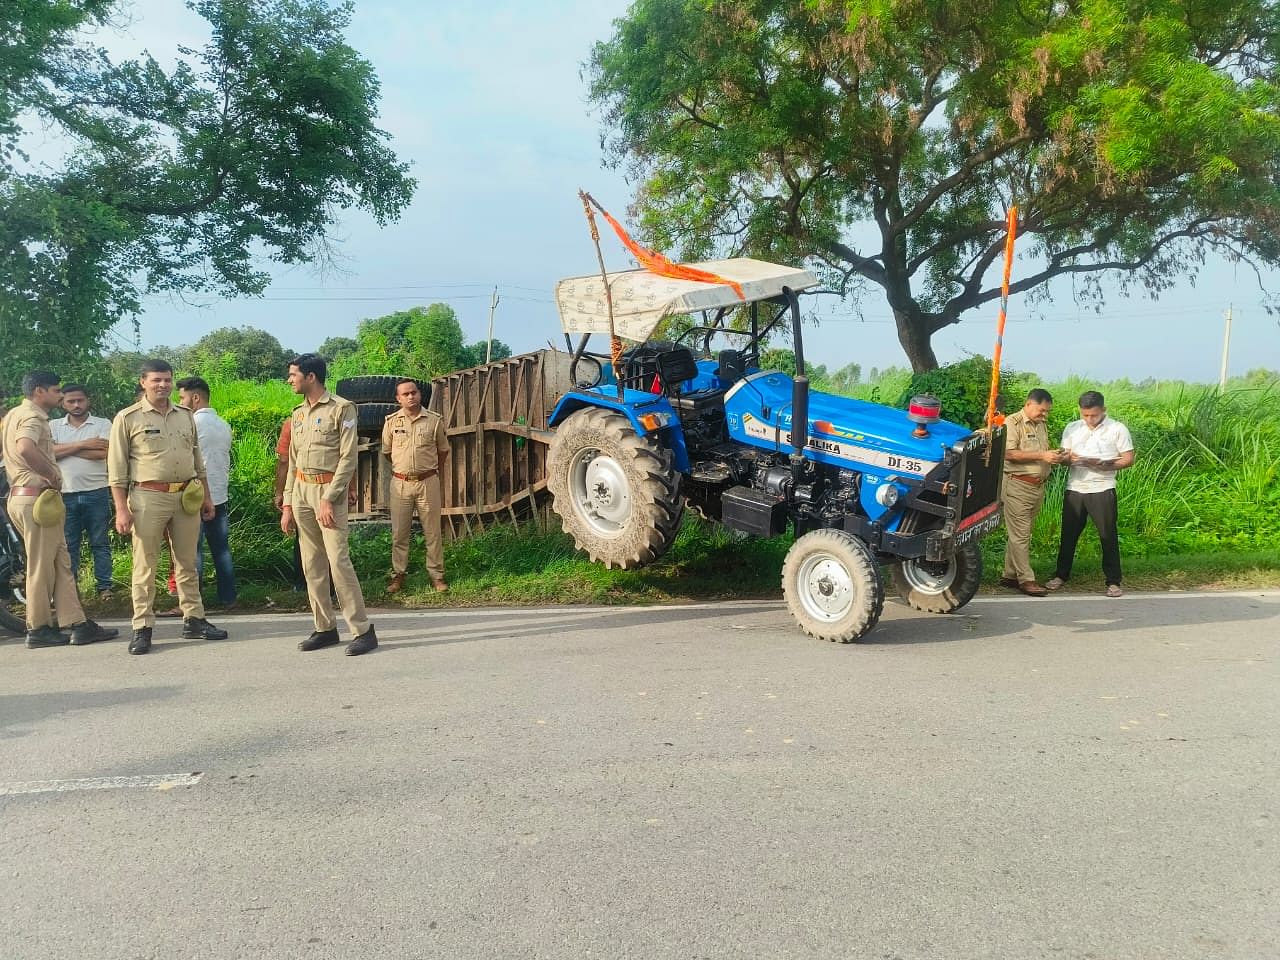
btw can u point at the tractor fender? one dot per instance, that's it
(634, 405)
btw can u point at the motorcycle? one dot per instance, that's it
(13, 567)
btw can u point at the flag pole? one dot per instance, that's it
(1011, 231)
(615, 342)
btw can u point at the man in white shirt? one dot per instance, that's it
(1100, 448)
(80, 446)
(214, 435)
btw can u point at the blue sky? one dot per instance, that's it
(488, 105)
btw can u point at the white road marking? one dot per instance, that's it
(156, 781)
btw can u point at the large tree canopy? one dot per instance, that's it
(182, 179)
(884, 140)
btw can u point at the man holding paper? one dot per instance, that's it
(1099, 448)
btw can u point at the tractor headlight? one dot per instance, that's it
(887, 494)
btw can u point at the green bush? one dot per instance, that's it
(964, 388)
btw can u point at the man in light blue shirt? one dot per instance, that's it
(214, 434)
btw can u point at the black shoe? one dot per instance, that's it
(318, 640)
(141, 641)
(86, 631)
(1009, 582)
(47, 636)
(198, 628)
(363, 643)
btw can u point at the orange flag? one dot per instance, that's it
(655, 262)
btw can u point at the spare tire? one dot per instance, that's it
(371, 416)
(375, 389)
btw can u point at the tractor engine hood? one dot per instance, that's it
(842, 431)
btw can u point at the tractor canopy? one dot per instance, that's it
(641, 299)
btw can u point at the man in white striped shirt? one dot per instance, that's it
(1100, 448)
(215, 446)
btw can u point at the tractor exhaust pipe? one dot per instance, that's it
(799, 391)
(799, 418)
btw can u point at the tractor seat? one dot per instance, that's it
(675, 366)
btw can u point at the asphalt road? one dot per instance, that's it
(1064, 778)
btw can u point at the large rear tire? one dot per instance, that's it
(616, 492)
(942, 587)
(832, 585)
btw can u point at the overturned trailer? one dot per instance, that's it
(496, 419)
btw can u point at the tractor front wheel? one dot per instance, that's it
(616, 491)
(832, 586)
(942, 587)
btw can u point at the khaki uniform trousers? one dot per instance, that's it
(50, 585)
(1022, 502)
(153, 511)
(325, 550)
(407, 498)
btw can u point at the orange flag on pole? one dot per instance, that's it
(655, 262)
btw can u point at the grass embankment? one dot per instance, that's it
(1201, 507)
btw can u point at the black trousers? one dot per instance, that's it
(1077, 510)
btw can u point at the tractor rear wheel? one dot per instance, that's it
(942, 587)
(616, 492)
(832, 586)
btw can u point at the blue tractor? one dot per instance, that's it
(861, 484)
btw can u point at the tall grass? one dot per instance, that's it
(1204, 482)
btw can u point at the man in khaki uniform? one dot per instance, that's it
(153, 457)
(415, 442)
(322, 457)
(1028, 458)
(32, 469)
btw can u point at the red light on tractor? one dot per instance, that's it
(922, 411)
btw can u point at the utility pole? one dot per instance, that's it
(1226, 349)
(493, 305)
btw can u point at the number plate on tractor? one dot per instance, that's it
(978, 525)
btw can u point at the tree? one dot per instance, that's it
(177, 180)
(884, 141)
(254, 354)
(474, 354)
(336, 347)
(436, 338)
(421, 342)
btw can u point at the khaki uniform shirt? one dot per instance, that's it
(1023, 435)
(414, 444)
(323, 439)
(26, 420)
(147, 446)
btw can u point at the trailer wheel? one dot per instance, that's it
(616, 492)
(11, 622)
(942, 587)
(370, 417)
(380, 388)
(832, 586)
(9, 596)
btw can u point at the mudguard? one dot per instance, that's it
(633, 405)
